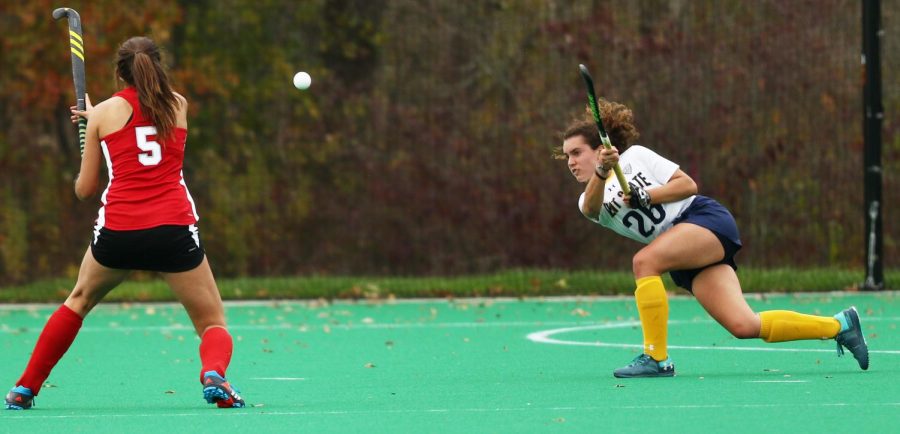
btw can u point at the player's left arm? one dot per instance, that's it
(680, 186)
(89, 176)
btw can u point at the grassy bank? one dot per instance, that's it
(512, 283)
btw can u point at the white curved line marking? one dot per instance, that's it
(545, 337)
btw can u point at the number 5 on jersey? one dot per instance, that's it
(152, 154)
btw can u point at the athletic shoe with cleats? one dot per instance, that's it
(852, 338)
(219, 391)
(19, 398)
(644, 366)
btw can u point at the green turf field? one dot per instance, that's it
(460, 366)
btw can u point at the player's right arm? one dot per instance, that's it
(596, 187)
(593, 198)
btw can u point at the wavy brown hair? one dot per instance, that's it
(617, 119)
(139, 63)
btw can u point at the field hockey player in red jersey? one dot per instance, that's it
(147, 221)
(692, 237)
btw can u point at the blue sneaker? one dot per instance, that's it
(645, 366)
(219, 391)
(852, 338)
(19, 398)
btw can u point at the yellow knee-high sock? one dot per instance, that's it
(785, 325)
(653, 308)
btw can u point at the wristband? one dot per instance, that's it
(599, 169)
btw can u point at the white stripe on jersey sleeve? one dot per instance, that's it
(101, 214)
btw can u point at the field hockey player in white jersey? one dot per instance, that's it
(692, 237)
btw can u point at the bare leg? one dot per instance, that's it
(197, 291)
(94, 282)
(683, 247)
(719, 292)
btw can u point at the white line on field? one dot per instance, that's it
(265, 412)
(544, 337)
(278, 378)
(778, 381)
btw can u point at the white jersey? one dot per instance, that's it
(649, 170)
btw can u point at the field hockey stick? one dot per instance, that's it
(604, 138)
(76, 41)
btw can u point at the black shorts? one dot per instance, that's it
(709, 214)
(168, 248)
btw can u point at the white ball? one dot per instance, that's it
(302, 80)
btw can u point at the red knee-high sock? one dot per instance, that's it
(215, 351)
(54, 341)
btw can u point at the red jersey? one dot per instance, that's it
(146, 185)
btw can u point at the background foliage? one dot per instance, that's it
(424, 145)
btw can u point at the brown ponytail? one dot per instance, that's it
(139, 64)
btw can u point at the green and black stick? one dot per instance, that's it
(76, 41)
(604, 138)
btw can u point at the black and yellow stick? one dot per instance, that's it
(76, 41)
(604, 138)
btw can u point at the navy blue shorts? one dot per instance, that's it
(708, 213)
(167, 248)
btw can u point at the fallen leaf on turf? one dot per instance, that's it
(169, 392)
(369, 365)
(560, 419)
(581, 312)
